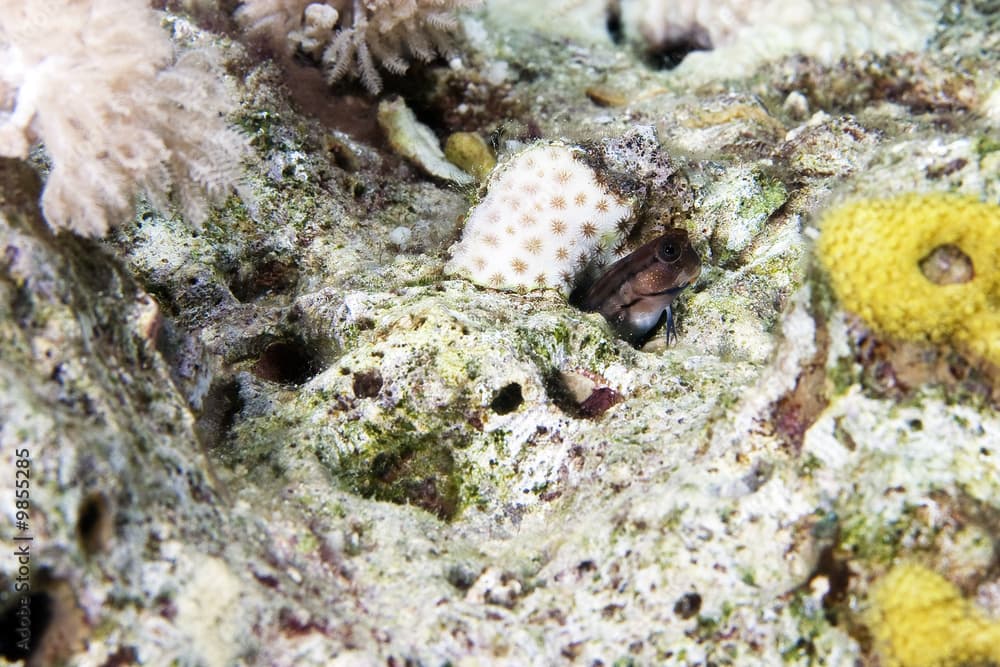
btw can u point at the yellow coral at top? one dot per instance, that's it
(919, 619)
(872, 250)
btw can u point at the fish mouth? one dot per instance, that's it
(693, 276)
(688, 278)
(670, 291)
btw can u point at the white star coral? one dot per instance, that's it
(355, 36)
(544, 216)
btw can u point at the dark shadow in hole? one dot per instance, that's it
(269, 276)
(613, 22)
(462, 576)
(94, 523)
(37, 611)
(291, 362)
(687, 605)
(367, 384)
(508, 399)
(672, 52)
(219, 408)
(947, 265)
(836, 569)
(560, 395)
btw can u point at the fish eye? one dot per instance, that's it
(669, 251)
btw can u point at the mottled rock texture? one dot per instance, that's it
(290, 439)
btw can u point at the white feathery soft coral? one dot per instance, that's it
(356, 36)
(95, 81)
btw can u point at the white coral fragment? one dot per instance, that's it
(416, 142)
(95, 82)
(357, 36)
(543, 218)
(743, 34)
(317, 28)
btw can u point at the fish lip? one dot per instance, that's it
(670, 291)
(693, 278)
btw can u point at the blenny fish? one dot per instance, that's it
(635, 292)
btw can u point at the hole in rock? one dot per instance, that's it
(287, 362)
(508, 399)
(23, 624)
(672, 51)
(613, 22)
(947, 265)
(367, 384)
(219, 408)
(271, 276)
(687, 605)
(56, 628)
(462, 576)
(93, 523)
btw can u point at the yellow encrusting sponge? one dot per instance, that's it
(872, 250)
(920, 619)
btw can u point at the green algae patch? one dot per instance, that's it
(410, 468)
(986, 145)
(770, 195)
(737, 207)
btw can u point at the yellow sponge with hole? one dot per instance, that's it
(872, 250)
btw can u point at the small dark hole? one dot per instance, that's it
(672, 53)
(23, 624)
(461, 576)
(123, 657)
(367, 384)
(759, 475)
(287, 362)
(687, 605)
(385, 466)
(507, 399)
(270, 276)
(93, 523)
(613, 22)
(947, 265)
(835, 568)
(560, 394)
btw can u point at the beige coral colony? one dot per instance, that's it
(419, 333)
